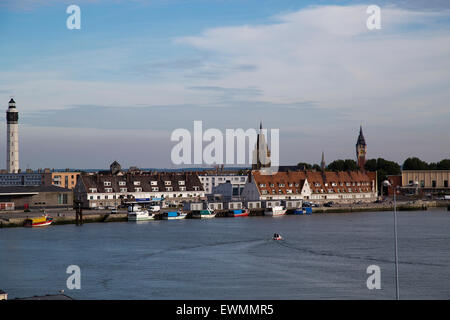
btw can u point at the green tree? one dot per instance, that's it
(343, 165)
(443, 165)
(384, 169)
(304, 165)
(415, 164)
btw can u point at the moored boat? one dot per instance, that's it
(39, 221)
(275, 211)
(207, 214)
(298, 211)
(136, 213)
(174, 215)
(307, 210)
(240, 213)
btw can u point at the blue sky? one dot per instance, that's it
(137, 70)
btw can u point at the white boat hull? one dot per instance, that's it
(175, 218)
(275, 211)
(207, 216)
(140, 217)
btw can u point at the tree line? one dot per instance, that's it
(381, 165)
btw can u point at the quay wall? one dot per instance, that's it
(118, 217)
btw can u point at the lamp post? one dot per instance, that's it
(386, 183)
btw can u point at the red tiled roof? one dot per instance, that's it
(316, 180)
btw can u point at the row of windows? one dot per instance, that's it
(138, 183)
(138, 189)
(433, 183)
(241, 179)
(174, 195)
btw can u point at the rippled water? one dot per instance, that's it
(323, 256)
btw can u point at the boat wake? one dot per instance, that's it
(348, 256)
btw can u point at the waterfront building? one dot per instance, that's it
(319, 187)
(227, 191)
(291, 185)
(211, 180)
(110, 188)
(66, 179)
(361, 150)
(12, 134)
(28, 197)
(21, 179)
(342, 186)
(431, 182)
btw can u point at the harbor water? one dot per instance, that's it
(322, 256)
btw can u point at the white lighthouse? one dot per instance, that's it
(12, 131)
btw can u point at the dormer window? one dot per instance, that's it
(169, 189)
(123, 189)
(107, 183)
(137, 183)
(92, 190)
(138, 189)
(108, 189)
(167, 183)
(122, 183)
(196, 188)
(154, 183)
(155, 189)
(181, 183)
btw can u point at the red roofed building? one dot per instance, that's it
(344, 187)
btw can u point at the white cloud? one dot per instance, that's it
(327, 54)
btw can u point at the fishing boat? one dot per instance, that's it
(38, 222)
(298, 211)
(240, 213)
(275, 211)
(136, 213)
(307, 210)
(174, 215)
(204, 214)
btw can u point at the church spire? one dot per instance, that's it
(322, 163)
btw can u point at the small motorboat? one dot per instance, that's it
(276, 236)
(275, 211)
(174, 215)
(298, 211)
(205, 214)
(240, 213)
(43, 221)
(137, 213)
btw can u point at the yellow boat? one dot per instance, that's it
(39, 221)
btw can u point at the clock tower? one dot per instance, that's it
(361, 150)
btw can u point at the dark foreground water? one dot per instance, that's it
(323, 256)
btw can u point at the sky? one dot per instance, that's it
(137, 70)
